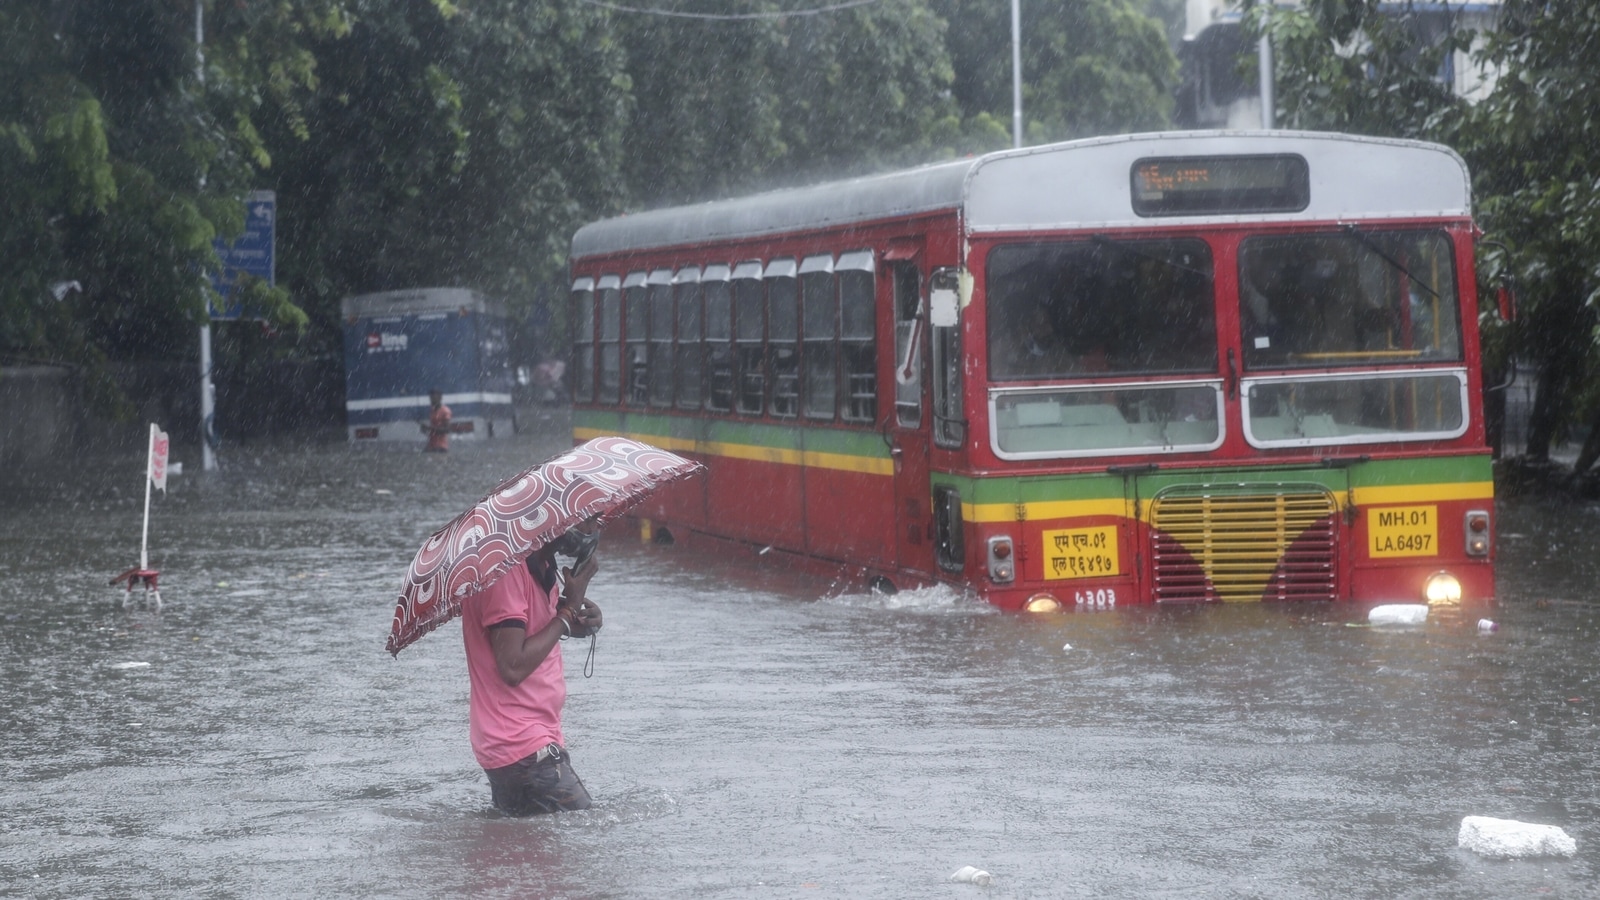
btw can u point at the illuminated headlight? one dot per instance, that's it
(1441, 588)
(1002, 566)
(1477, 532)
(1042, 603)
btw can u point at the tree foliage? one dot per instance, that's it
(1355, 66)
(118, 170)
(449, 145)
(460, 142)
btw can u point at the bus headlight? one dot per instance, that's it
(1441, 588)
(1002, 567)
(1042, 603)
(1477, 532)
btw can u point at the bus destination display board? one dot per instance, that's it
(1198, 185)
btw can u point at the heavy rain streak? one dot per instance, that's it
(748, 730)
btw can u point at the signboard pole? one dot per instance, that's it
(208, 400)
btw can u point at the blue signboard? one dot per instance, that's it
(251, 253)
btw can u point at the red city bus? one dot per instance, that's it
(1170, 368)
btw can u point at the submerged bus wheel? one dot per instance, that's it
(881, 585)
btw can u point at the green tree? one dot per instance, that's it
(450, 144)
(1089, 67)
(119, 167)
(723, 106)
(1353, 66)
(1532, 144)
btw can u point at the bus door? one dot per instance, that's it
(906, 427)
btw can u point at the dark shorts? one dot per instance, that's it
(533, 785)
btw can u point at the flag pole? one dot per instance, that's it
(149, 461)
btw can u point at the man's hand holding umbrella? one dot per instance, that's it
(580, 615)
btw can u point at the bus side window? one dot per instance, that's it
(857, 330)
(819, 317)
(749, 338)
(690, 348)
(949, 425)
(908, 357)
(661, 316)
(610, 339)
(718, 294)
(583, 340)
(636, 328)
(783, 337)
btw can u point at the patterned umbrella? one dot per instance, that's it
(600, 479)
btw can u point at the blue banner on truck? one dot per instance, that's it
(399, 345)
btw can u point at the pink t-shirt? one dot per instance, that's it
(508, 722)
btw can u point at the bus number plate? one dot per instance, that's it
(1081, 553)
(1403, 531)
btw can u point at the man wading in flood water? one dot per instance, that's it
(511, 631)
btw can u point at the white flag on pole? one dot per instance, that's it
(158, 457)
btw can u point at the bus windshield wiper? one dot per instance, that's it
(1399, 266)
(1120, 247)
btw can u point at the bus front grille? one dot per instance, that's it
(1244, 542)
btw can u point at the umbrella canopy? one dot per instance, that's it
(600, 479)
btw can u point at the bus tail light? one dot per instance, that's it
(1002, 568)
(1477, 531)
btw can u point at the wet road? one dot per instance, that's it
(747, 732)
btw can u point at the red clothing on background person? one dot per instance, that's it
(438, 424)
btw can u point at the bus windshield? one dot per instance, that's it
(1098, 307)
(1350, 298)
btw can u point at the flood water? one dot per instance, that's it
(748, 731)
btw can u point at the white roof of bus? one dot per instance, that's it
(1047, 187)
(419, 301)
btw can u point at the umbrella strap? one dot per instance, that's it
(588, 662)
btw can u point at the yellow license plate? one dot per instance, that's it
(1403, 531)
(1081, 553)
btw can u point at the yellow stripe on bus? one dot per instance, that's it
(815, 459)
(1051, 509)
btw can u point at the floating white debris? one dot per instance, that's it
(383, 492)
(972, 875)
(1486, 626)
(1066, 648)
(130, 665)
(1510, 839)
(1398, 614)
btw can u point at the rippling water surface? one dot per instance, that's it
(748, 731)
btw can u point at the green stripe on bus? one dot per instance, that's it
(794, 445)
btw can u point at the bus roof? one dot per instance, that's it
(418, 301)
(1075, 184)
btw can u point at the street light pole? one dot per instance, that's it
(1016, 73)
(1269, 115)
(208, 391)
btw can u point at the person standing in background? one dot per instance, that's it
(437, 428)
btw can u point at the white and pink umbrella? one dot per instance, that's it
(599, 480)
